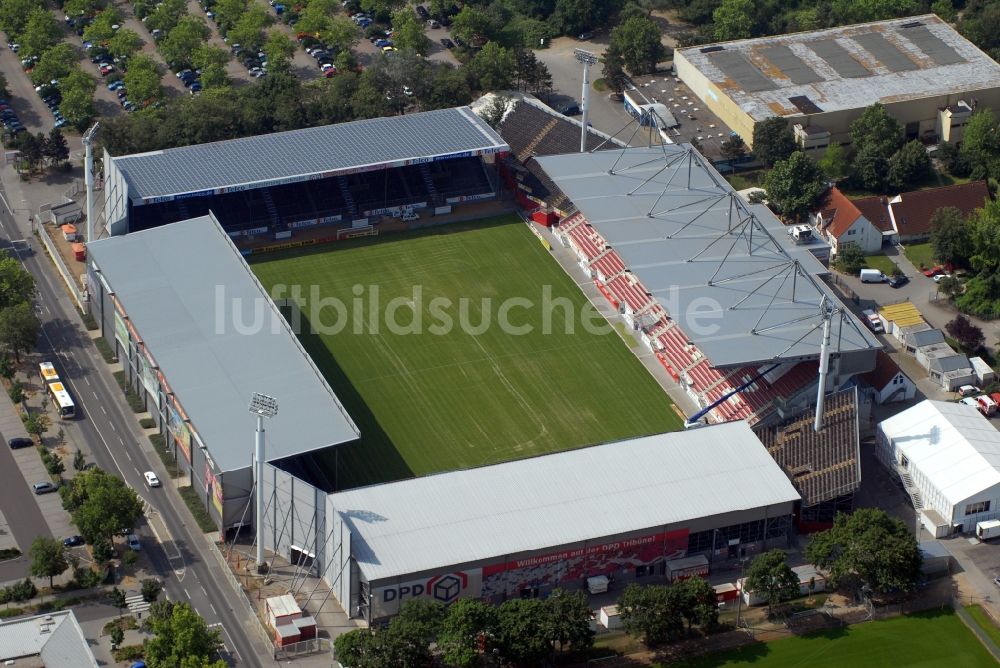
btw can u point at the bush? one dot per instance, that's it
(20, 591)
(16, 392)
(147, 423)
(104, 348)
(121, 379)
(135, 402)
(129, 653)
(9, 553)
(169, 461)
(103, 550)
(6, 613)
(151, 588)
(85, 578)
(130, 558)
(197, 508)
(88, 320)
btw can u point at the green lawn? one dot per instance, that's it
(928, 640)
(880, 262)
(430, 402)
(920, 254)
(984, 621)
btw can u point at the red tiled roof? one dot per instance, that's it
(883, 373)
(913, 213)
(874, 209)
(839, 213)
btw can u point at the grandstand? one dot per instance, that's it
(336, 178)
(662, 236)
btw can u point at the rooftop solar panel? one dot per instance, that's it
(839, 58)
(736, 66)
(790, 64)
(885, 52)
(298, 155)
(932, 45)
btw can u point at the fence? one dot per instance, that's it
(244, 602)
(304, 647)
(53, 252)
(978, 631)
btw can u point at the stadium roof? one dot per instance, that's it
(726, 271)
(310, 153)
(211, 362)
(955, 448)
(553, 500)
(848, 67)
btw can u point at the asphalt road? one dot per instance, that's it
(21, 512)
(189, 572)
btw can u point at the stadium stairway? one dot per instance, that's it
(272, 209)
(345, 190)
(425, 172)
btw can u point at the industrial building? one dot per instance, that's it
(195, 346)
(947, 456)
(929, 78)
(519, 529)
(731, 301)
(51, 640)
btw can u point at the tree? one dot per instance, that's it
(7, 368)
(951, 236)
(771, 578)
(870, 546)
(151, 588)
(850, 258)
(102, 549)
(101, 504)
(614, 69)
(117, 636)
(124, 43)
(118, 599)
(473, 26)
(449, 87)
(571, 17)
(77, 104)
(773, 140)
(14, 15)
(143, 80)
(733, 148)
(521, 631)
(54, 64)
(795, 186)
(211, 60)
(181, 638)
(17, 286)
(968, 335)
(495, 110)
(650, 613)
(41, 32)
(637, 39)
(569, 618)
(228, 12)
(340, 34)
(697, 603)
(408, 33)
(182, 40)
(19, 329)
(834, 162)
(492, 67)
(56, 148)
(981, 144)
(249, 28)
(876, 129)
(279, 49)
(414, 628)
(465, 629)
(48, 558)
(871, 168)
(733, 20)
(909, 165)
(102, 28)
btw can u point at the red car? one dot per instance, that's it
(107, 69)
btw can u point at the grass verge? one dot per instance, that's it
(104, 348)
(921, 255)
(167, 457)
(198, 511)
(984, 621)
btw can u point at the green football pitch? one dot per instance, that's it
(928, 640)
(442, 399)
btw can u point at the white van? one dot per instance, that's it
(872, 276)
(872, 320)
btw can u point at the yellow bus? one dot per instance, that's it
(62, 400)
(48, 372)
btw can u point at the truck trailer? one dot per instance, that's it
(988, 529)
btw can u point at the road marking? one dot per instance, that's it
(214, 611)
(96, 398)
(112, 425)
(153, 516)
(128, 455)
(86, 380)
(102, 409)
(203, 590)
(120, 440)
(187, 594)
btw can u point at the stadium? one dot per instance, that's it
(555, 417)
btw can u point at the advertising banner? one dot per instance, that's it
(600, 559)
(149, 376)
(121, 333)
(446, 588)
(213, 487)
(179, 430)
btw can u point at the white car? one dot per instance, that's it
(940, 277)
(151, 479)
(133, 542)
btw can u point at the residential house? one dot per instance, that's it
(906, 218)
(839, 221)
(888, 381)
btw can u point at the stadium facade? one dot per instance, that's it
(928, 76)
(519, 529)
(334, 180)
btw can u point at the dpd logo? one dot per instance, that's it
(446, 588)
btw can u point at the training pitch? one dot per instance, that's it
(929, 640)
(448, 398)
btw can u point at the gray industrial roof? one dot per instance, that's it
(55, 639)
(532, 504)
(310, 153)
(727, 272)
(180, 285)
(849, 67)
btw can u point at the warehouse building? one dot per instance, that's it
(947, 456)
(621, 510)
(195, 346)
(930, 78)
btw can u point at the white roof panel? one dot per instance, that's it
(532, 504)
(952, 444)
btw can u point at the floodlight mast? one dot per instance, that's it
(262, 406)
(588, 59)
(88, 176)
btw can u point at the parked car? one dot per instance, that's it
(969, 391)
(380, 43)
(447, 43)
(898, 281)
(151, 479)
(585, 35)
(72, 541)
(422, 12)
(107, 69)
(20, 442)
(940, 277)
(133, 542)
(44, 487)
(116, 85)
